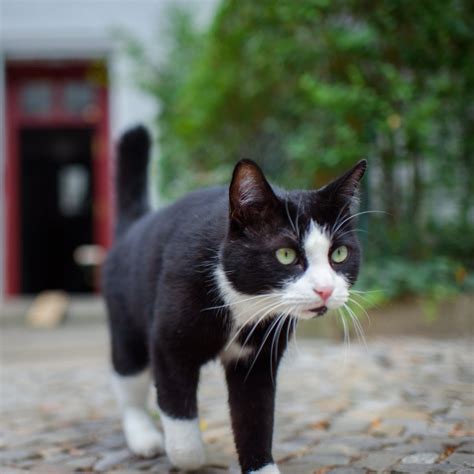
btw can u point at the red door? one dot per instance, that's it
(57, 173)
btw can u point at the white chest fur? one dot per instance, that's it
(245, 309)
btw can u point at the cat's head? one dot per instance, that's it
(294, 252)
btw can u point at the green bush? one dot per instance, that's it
(396, 277)
(307, 88)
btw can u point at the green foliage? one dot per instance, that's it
(438, 277)
(307, 88)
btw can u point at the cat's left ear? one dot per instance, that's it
(250, 195)
(345, 188)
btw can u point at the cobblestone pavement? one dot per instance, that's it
(400, 405)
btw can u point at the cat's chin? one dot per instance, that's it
(313, 313)
(321, 311)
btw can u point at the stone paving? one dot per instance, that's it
(400, 405)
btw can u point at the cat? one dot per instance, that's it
(224, 272)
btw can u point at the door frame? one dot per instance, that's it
(17, 72)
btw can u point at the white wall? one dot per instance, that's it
(86, 29)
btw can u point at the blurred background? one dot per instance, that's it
(304, 88)
(66, 92)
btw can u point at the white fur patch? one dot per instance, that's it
(245, 309)
(319, 274)
(268, 469)
(317, 244)
(141, 435)
(183, 442)
(131, 390)
(235, 352)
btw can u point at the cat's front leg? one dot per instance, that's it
(176, 382)
(252, 402)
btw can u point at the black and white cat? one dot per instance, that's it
(221, 273)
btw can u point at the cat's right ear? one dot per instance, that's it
(251, 198)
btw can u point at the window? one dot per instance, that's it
(36, 98)
(78, 98)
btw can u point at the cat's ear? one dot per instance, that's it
(250, 195)
(345, 188)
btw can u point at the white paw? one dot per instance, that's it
(183, 443)
(186, 457)
(268, 469)
(146, 445)
(141, 435)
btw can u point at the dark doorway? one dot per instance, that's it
(56, 207)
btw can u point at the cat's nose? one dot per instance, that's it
(324, 293)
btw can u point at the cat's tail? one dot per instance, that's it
(131, 183)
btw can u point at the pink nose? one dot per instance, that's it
(324, 293)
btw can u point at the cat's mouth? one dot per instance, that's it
(319, 311)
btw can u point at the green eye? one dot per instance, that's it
(340, 254)
(286, 256)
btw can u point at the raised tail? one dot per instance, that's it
(131, 184)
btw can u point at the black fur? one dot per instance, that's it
(134, 148)
(159, 284)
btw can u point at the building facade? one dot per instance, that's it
(66, 94)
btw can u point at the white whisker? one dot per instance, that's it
(289, 217)
(352, 300)
(347, 340)
(358, 328)
(352, 217)
(295, 321)
(343, 208)
(267, 334)
(267, 311)
(252, 298)
(298, 217)
(350, 232)
(290, 317)
(275, 338)
(277, 335)
(271, 309)
(366, 291)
